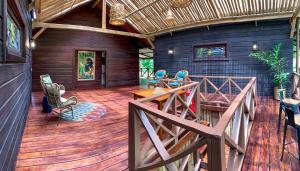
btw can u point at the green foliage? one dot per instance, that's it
(276, 63)
(146, 63)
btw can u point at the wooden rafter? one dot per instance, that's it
(39, 33)
(294, 20)
(103, 14)
(87, 28)
(147, 17)
(222, 21)
(96, 3)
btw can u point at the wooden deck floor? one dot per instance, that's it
(102, 144)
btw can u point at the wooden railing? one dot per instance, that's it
(146, 72)
(179, 138)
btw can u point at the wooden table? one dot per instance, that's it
(149, 92)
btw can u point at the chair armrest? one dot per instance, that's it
(74, 98)
(151, 78)
(61, 87)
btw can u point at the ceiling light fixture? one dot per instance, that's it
(117, 14)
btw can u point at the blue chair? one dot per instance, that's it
(160, 74)
(286, 103)
(180, 76)
(292, 119)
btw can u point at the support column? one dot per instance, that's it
(297, 46)
(104, 14)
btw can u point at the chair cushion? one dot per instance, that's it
(289, 101)
(181, 75)
(297, 119)
(160, 74)
(62, 92)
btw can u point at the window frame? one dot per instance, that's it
(209, 45)
(13, 10)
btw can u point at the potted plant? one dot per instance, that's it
(277, 66)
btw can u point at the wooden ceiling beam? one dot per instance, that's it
(96, 3)
(294, 20)
(103, 14)
(39, 33)
(223, 21)
(88, 28)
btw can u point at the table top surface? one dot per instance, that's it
(149, 92)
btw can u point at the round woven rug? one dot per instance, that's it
(85, 111)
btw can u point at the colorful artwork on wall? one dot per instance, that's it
(86, 65)
(210, 51)
(13, 35)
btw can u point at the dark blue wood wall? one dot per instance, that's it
(239, 39)
(15, 93)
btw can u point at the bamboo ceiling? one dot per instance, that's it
(147, 16)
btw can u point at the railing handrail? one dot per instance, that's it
(241, 112)
(219, 77)
(228, 114)
(216, 131)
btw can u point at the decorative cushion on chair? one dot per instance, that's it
(160, 74)
(181, 75)
(47, 79)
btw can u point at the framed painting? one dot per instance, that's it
(86, 65)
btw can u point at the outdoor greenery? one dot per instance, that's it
(147, 63)
(276, 63)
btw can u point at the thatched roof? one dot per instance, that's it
(147, 16)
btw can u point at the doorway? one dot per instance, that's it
(89, 69)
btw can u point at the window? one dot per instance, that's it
(15, 33)
(216, 51)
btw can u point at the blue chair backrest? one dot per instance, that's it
(181, 74)
(160, 73)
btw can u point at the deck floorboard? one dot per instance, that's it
(103, 144)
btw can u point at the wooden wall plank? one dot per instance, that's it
(239, 39)
(15, 93)
(55, 52)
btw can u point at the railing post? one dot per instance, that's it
(133, 138)
(197, 100)
(216, 153)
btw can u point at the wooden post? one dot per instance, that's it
(197, 101)
(216, 153)
(133, 138)
(297, 47)
(104, 14)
